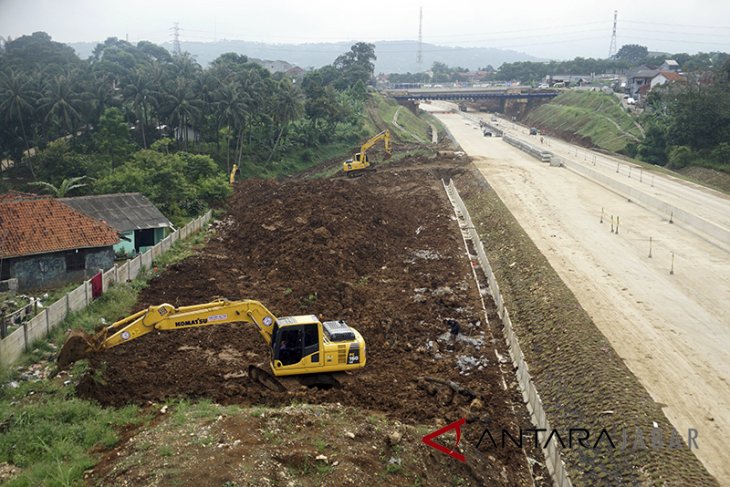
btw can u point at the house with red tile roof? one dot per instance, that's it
(45, 243)
(665, 77)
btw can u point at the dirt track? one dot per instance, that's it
(382, 252)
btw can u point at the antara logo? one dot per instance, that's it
(456, 425)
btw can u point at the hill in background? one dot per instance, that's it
(393, 56)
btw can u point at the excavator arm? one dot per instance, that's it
(360, 161)
(384, 136)
(168, 317)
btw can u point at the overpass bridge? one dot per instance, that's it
(471, 94)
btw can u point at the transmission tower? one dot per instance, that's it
(612, 48)
(176, 38)
(420, 40)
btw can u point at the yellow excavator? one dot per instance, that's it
(360, 163)
(299, 345)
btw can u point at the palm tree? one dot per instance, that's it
(230, 108)
(141, 96)
(62, 104)
(16, 97)
(103, 95)
(66, 186)
(182, 106)
(185, 65)
(288, 106)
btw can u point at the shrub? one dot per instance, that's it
(680, 156)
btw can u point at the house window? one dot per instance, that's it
(75, 261)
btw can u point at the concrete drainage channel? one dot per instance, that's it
(483, 274)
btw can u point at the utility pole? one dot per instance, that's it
(612, 48)
(176, 38)
(420, 40)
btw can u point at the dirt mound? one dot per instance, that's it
(381, 252)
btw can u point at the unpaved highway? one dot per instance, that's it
(672, 330)
(710, 205)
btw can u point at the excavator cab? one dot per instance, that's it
(304, 345)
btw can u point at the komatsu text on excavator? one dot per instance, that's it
(360, 163)
(298, 344)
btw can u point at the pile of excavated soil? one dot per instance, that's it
(382, 252)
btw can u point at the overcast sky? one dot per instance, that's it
(555, 29)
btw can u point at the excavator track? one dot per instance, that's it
(263, 377)
(269, 381)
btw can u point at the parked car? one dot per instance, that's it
(533, 130)
(631, 101)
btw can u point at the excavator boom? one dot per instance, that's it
(298, 344)
(360, 162)
(167, 317)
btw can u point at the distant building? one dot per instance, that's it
(670, 65)
(568, 80)
(45, 243)
(140, 224)
(295, 73)
(637, 78)
(665, 77)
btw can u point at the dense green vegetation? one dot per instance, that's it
(689, 123)
(593, 115)
(137, 118)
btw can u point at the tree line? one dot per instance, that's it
(531, 72)
(103, 118)
(689, 123)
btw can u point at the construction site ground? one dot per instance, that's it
(383, 252)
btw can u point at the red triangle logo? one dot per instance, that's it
(456, 425)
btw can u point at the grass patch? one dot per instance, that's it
(593, 115)
(415, 128)
(320, 445)
(47, 431)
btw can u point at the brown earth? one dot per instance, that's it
(384, 253)
(298, 445)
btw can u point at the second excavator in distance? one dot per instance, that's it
(299, 345)
(360, 162)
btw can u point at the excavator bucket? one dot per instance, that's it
(78, 345)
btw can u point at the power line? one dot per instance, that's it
(675, 32)
(465, 36)
(612, 47)
(677, 25)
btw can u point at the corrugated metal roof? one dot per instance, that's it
(32, 225)
(123, 211)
